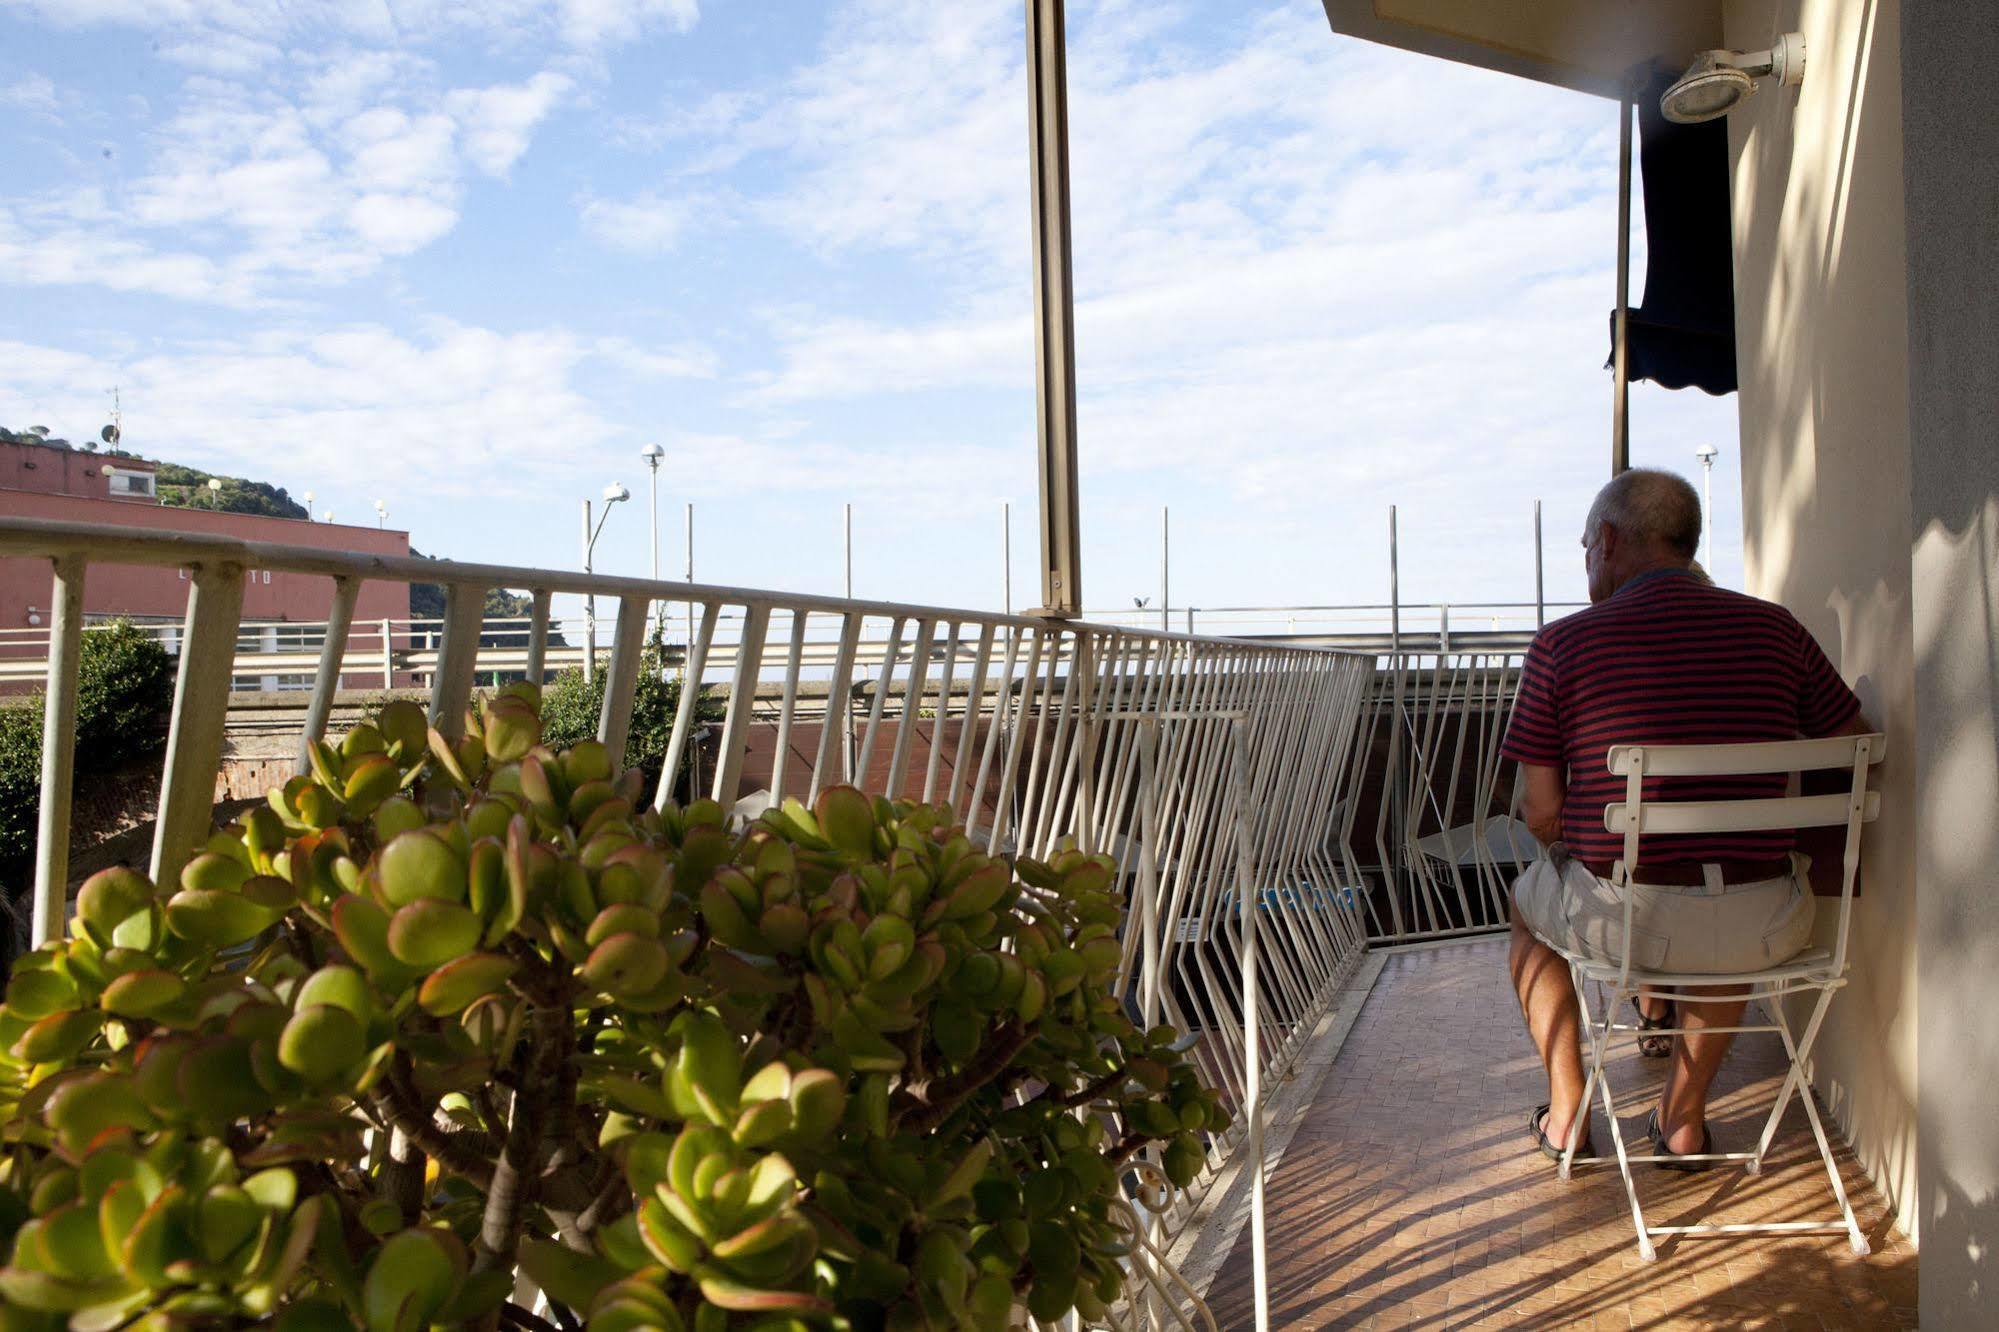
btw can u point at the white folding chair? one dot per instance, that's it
(1816, 969)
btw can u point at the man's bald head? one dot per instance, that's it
(1654, 512)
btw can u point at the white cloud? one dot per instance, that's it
(248, 28)
(647, 224)
(685, 361)
(30, 92)
(459, 410)
(595, 23)
(258, 188)
(497, 122)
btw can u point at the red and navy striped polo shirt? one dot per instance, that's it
(1670, 659)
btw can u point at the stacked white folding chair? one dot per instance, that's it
(1817, 969)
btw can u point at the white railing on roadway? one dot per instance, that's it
(1217, 770)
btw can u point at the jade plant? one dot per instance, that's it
(453, 1026)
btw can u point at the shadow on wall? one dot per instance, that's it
(1957, 648)
(1822, 328)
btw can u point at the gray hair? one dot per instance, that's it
(1650, 507)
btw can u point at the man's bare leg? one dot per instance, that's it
(1554, 1021)
(1697, 1057)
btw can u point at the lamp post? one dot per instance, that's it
(381, 513)
(652, 453)
(1706, 454)
(214, 492)
(308, 506)
(613, 494)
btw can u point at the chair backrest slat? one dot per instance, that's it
(1637, 815)
(1834, 751)
(1713, 816)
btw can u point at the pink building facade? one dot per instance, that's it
(66, 485)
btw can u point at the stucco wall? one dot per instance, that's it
(1951, 161)
(1822, 339)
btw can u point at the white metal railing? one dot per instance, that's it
(1217, 770)
(392, 652)
(1445, 831)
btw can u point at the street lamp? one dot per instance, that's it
(652, 453)
(308, 506)
(1706, 454)
(214, 492)
(613, 494)
(381, 513)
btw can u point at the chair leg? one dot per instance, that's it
(1645, 1248)
(1597, 1041)
(1794, 1075)
(1798, 1052)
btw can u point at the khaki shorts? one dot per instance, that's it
(1701, 930)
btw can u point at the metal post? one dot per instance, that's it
(1540, 597)
(1054, 310)
(656, 610)
(1006, 556)
(1165, 565)
(1620, 409)
(589, 609)
(1706, 454)
(58, 750)
(1394, 589)
(690, 603)
(690, 683)
(654, 547)
(389, 655)
(1250, 900)
(846, 696)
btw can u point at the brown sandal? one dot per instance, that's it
(1551, 1150)
(1655, 1047)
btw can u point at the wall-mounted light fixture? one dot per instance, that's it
(1719, 81)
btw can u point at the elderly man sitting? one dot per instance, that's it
(1662, 656)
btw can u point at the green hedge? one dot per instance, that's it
(125, 684)
(570, 708)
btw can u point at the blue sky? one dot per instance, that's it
(469, 258)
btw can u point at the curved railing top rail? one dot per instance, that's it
(103, 543)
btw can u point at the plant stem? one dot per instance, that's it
(930, 1103)
(514, 1172)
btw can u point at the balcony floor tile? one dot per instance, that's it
(1411, 1197)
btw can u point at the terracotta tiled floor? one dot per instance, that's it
(1411, 1196)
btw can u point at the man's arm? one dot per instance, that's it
(1541, 802)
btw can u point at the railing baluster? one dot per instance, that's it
(782, 750)
(614, 723)
(326, 683)
(690, 698)
(942, 717)
(883, 682)
(58, 749)
(912, 707)
(451, 685)
(742, 703)
(839, 707)
(538, 636)
(200, 712)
